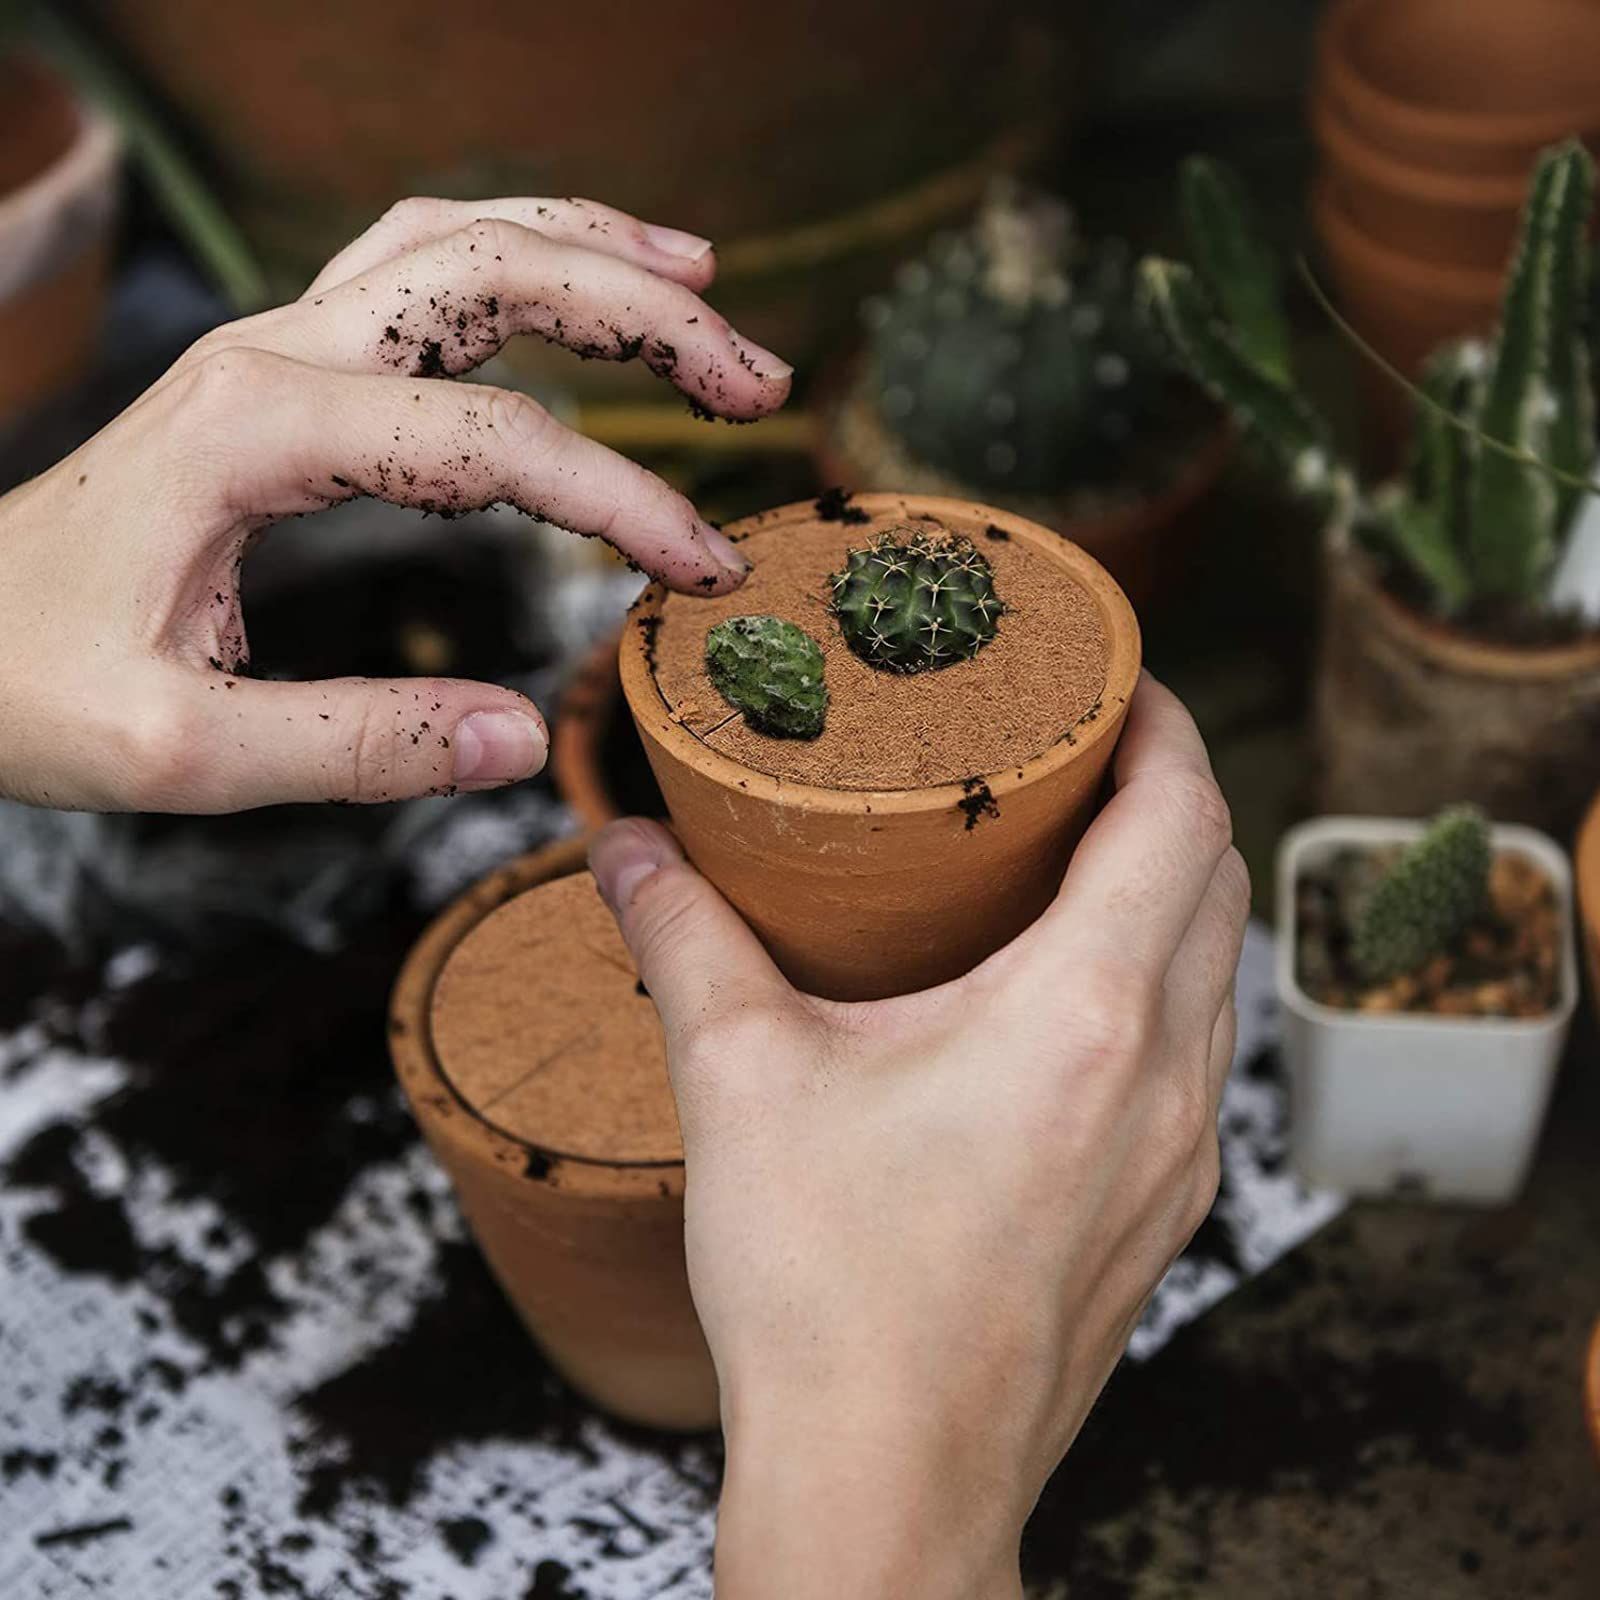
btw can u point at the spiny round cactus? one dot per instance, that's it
(770, 670)
(914, 600)
(1425, 900)
(1013, 357)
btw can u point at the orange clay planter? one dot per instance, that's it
(1586, 864)
(596, 761)
(535, 1068)
(864, 893)
(1473, 87)
(1591, 1387)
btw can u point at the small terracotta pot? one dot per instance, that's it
(1449, 219)
(1412, 716)
(58, 178)
(1591, 1387)
(1142, 543)
(1474, 87)
(537, 1073)
(861, 894)
(597, 763)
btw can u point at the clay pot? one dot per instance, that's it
(597, 763)
(536, 1070)
(1449, 219)
(860, 894)
(1591, 1387)
(1412, 716)
(1142, 543)
(314, 131)
(1473, 87)
(1586, 860)
(58, 172)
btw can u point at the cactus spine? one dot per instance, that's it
(1478, 521)
(913, 600)
(772, 671)
(1426, 899)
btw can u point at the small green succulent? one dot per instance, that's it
(1426, 898)
(915, 600)
(772, 671)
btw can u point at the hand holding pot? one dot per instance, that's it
(120, 624)
(920, 1231)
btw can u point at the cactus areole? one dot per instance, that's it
(912, 601)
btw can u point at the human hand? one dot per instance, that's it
(921, 1231)
(120, 622)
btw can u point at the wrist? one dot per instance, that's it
(864, 1499)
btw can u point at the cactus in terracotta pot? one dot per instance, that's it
(1505, 429)
(912, 601)
(772, 671)
(1012, 354)
(1426, 898)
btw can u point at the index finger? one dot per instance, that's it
(1141, 871)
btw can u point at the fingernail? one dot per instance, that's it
(761, 362)
(497, 747)
(675, 242)
(624, 855)
(725, 550)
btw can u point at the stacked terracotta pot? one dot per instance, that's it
(1428, 115)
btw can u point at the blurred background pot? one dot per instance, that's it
(597, 761)
(1586, 859)
(58, 191)
(1445, 1107)
(1412, 716)
(534, 1066)
(1591, 1387)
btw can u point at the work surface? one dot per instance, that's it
(244, 1348)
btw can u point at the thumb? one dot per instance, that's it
(697, 957)
(250, 742)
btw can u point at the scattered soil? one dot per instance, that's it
(1507, 963)
(540, 1028)
(1023, 692)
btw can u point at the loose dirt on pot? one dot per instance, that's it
(1507, 963)
(1032, 686)
(541, 1027)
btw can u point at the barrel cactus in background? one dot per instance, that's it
(1505, 435)
(1012, 355)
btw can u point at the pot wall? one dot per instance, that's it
(1411, 717)
(590, 1255)
(1411, 1105)
(858, 894)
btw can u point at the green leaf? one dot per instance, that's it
(1235, 261)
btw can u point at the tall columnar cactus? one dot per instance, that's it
(1426, 899)
(913, 600)
(772, 671)
(1012, 355)
(1481, 515)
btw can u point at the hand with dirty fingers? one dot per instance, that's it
(121, 633)
(921, 1231)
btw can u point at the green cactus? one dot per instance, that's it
(1504, 430)
(772, 671)
(1012, 356)
(915, 600)
(1426, 899)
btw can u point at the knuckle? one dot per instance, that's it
(1233, 883)
(521, 423)
(160, 754)
(1205, 1185)
(219, 376)
(1113, 1020)
(1199, 805)
(485, 238)
(412, 211)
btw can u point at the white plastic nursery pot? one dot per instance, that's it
(1403, 1104)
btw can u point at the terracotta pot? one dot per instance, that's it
(58, 172)
(1142, 543)
(1449, 219)
(1586, 861)
(1475, 87)
(1591, 1387)
(860, 894)
(537, 1073)
(313, 134)
(1412, 716)
(597, 763)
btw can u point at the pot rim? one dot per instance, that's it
(411, 1043)
(1123, 665)
(1341, 233)
(1333, 830)
(1453, 648)
(1368, 100)
(1344, 143)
